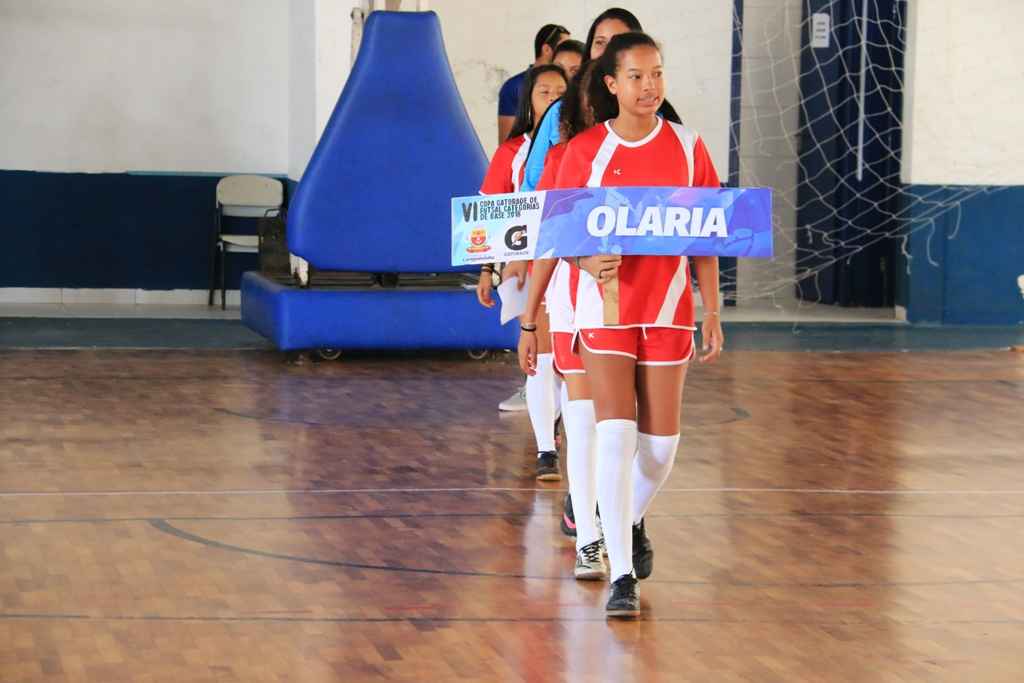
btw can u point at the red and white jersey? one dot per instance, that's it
(557, 297)
(505, 174)
(650, 290)
(552, 162)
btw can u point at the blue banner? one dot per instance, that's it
(667, 221)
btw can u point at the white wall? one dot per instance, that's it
(482, 60)
(696, 36)
(301, 85)
(320, 43)
(333, 54)
(144, 85)
(964, 93)
(247, 85)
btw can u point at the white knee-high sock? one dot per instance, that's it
(655, 456)
(581, 452)
(616, 449)
(561, 394)
(540, 402)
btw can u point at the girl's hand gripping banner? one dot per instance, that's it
(655, 221)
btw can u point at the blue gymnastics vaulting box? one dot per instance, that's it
(375, 198)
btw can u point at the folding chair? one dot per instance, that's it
(244, 196)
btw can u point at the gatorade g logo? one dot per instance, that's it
(515, 238)
(478, 241)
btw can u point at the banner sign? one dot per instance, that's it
(665, 221)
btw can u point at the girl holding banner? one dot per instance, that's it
(634, 315)
(556, 128)
(559, 124)
(542, 86)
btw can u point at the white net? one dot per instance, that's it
(820, 121)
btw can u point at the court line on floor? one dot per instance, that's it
(600, 618)
(317, 379)
(739, 415)
(165, 527)
(327, 517)
(489, 489)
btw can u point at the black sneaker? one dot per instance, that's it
(568, 518)
(643, 552)
(623, 602)
(547, 466)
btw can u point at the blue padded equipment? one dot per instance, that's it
(376, 198)
(376, 195)
(295, 319)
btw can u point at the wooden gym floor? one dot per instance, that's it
(221, 516)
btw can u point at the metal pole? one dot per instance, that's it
(863, 88)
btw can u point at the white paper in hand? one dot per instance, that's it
(513, 299)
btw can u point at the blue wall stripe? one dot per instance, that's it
(204, 174)
(116, 230)
(977, 254)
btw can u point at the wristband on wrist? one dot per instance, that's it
(528, 327)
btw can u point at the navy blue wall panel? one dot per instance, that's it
(973, 275)
(109, 230)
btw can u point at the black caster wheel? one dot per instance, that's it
(478, 354)
(328, 354)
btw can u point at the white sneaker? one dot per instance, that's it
(515, 403)
(590, 564)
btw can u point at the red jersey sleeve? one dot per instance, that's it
(574, 171)
(499, 174)
(704, 173)
(552, 162)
